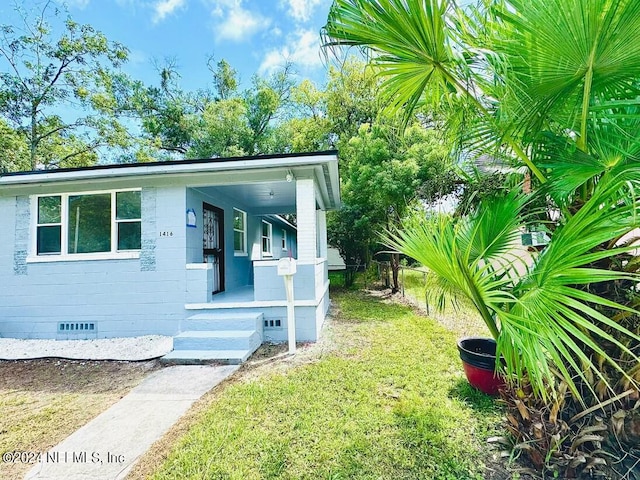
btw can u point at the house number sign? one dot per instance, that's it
(166, 233)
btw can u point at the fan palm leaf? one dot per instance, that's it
(413, 46)
(412, 50)
(567, 55)
(470, 256)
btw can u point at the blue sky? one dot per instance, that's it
(254, 36)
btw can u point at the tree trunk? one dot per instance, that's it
(395, 268)
(33, 140)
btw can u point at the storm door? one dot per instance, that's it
(213, 243)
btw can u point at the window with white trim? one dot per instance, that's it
(129, 220)
(284, 239)
(239, 232)
(49, 225)
(267, 237)
(88, 223)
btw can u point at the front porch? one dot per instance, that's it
(266, 297)
(231, 325)
(310, 285)
(237, 297)
(227, 320)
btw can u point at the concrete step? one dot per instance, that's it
(217, 321)
(217, 340)
(199, 357)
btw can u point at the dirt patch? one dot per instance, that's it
(72, 376)
(44, 401)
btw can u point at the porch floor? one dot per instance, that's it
(237, 295)
(241, 298)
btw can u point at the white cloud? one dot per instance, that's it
(302, 48)
(235, 22)
(218, 7)
(301, 10)
(162, 8)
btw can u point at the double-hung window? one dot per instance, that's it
(284, 239)
(267, 238)
(128, 222)
(88, 223)
(239, 232)
(49, 225)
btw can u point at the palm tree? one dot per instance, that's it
(553, 84)
(527, 67)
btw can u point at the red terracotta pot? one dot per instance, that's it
(478, 357)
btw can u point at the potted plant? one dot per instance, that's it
(541, 323)
(478, 355)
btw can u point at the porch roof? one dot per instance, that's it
(323, 166)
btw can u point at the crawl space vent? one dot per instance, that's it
(76, 327)
(272, 323)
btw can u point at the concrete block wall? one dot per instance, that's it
(306, 217)
(269, 286)
(321, 277)
(199, 283)
(306, 330)
(121, 297)
(321, 312)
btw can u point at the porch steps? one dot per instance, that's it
(220, 340)
(215, 321)
(223, 337)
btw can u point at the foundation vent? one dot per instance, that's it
(76, 327)
(272, 323)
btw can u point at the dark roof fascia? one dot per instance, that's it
(204, 161)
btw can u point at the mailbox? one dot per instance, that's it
(286, 266)
(286, 269)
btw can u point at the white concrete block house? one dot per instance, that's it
(184, 248)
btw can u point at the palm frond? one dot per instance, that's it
(409, 44)
(471, 255)
(566, 54)
(568, 168)
(563, 317)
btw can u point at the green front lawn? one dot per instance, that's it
(382, 397)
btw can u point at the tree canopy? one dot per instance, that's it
(43, 74)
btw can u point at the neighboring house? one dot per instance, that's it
(335, 260)
(186, 248)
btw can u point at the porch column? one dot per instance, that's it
(322, 234)
(306, 218)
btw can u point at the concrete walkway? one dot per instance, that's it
(107, 447)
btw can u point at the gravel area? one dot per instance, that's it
(133, 348)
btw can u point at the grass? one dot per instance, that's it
(414, 283)
(44, 401)
(386, 399)
(460, 318)
(337, 279)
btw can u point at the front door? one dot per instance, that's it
(213, 243)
